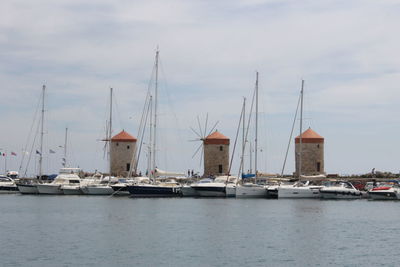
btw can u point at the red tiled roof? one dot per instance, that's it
(123, 137)
(216, 138)
(309, 136)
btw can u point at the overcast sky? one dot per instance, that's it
(346, 51)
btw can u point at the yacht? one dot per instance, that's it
(189, 191)
(340, 190)
(222, 186)
(67, 176)
(168, 188)
(7, 185)
(299, 190)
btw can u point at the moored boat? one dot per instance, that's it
(340, 190)
(27, 186)
(384, 193)
(299, 190)
(67, 176)
(7, 185)
(217, 188)
(169, 188)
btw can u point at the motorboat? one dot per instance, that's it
(299, 190)
(67, 176)
(251, 190)
(168, 188)
(7, 185)
(189, 191)
(101, 188)
(385, 192)
(340, 190)
(222, 186)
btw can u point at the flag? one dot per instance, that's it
(37, 152)
(51, 151)
(13, 154)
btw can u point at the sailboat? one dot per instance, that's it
(29, 186)
(300, 189)
(157, 188)
(251, 190)
(103, 186)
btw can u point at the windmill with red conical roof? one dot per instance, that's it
(122, 152)
(311, 146)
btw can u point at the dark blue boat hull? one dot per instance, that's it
(154, 191)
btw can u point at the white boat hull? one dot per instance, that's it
(230, 190)
(188, 191)
(71, 190)
(340, 194)
(251, 191)
(28, 189)
(99, 190)
(49, 189)
(298, 192)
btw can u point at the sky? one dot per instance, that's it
(346, 51)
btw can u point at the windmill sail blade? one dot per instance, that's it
(205, 127)
(197, 150)
(201, 130)
(199, 135)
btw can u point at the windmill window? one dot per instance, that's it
(117, 144)
(219, 168)
(318, 145)
(128, 167)
(127, 147)
(318, 166)
(221, 148)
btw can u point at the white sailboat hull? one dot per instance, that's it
(251, 191)
(28, 189)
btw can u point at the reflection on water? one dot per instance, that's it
(104, 231)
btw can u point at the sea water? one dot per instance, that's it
(119, 231)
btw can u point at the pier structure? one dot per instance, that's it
(311, 149)
(122, 153)
(216, 154)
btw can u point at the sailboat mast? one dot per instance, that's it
(301, 127)
(41, 136)
(65, 147)
(110, 131)
(155, 113)
(244, 135)
(150, 148)
(256, 135)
